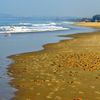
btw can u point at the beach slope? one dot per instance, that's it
(68, 70)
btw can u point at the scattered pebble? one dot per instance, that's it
(73, 86)
(81, 92)
(49, 97)
(49, 84)
(97, 92)
(58, 97)
(38, 94)
(56, 89)
(77, 99)
(77, 82)
(92, 87)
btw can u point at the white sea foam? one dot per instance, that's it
(25, 23)
(66, 22)
(29, 27)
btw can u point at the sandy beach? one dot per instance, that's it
(89, 24)
(68, 70)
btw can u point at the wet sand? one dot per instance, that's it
(68, 70)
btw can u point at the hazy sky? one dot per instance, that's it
(50, 7)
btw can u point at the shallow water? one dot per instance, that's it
(26, 42)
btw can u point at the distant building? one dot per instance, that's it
(85, 19)
(96, 18)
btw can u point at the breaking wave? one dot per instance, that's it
(30, 27)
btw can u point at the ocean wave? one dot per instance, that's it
(30, 27)
(25, 24)
(66, 22)
(31, 24)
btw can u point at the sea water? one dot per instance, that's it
(22, 35)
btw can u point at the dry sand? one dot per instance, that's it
(68, 70)
(89, 24)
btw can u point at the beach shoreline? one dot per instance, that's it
(59, 69)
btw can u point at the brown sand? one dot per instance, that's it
(68, 70)
(89, 24)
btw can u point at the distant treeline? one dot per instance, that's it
(95, 18)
